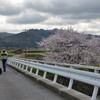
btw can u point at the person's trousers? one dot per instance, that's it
(4, 65)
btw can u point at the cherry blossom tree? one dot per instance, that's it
(70, 46)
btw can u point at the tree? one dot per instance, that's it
(70, 46)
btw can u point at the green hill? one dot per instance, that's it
(25, 39)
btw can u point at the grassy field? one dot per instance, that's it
(37, 55)
(10, 54)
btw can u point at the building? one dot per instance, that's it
(19, 51)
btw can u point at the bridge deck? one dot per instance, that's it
(15, 86)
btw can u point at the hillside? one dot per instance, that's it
(25, 39)
(4, 34)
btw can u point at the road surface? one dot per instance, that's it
(15, 86)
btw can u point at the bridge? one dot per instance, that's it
(28, 85)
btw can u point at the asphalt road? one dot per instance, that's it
(15, 86)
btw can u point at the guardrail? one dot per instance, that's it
(96, 69)
(73, 74)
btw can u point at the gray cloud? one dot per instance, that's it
(82, 16)
(27, 19)
(8, 9)
(76, 11)
(63, 22)
(93, 32)
(95, 26)
(71, 9)
(51, 12)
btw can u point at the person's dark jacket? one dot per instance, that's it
(4, 57)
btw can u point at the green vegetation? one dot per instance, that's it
(24, 39)
(10, 54)
(32, 54)
(36, 55)
(35, 51)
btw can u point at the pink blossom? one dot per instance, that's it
(72, 47)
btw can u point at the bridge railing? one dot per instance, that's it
(92, 78)
(96, 69)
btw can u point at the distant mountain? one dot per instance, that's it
(90, 36)
(25, 39)
(4, 34)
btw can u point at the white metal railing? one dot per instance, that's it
(92, 78)
(96, 69)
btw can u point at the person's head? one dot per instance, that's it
(4, 51)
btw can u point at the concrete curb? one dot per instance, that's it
(55, 87)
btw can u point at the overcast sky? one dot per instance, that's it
(17, 15)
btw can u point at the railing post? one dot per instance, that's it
(12, 63)
(44, 76)
(55, 78)
(37, 71)
(70, 83)
(23, 67)
(26, 68)
(20, 65)
(95, 91)
(31, 70)
(96, 71)
(17, 65)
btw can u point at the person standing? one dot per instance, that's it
(4, 57)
